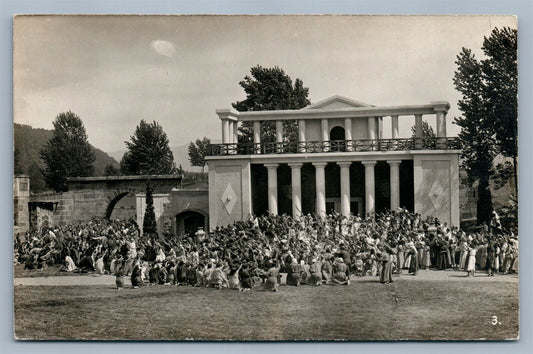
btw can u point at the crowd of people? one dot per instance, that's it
(254, 253)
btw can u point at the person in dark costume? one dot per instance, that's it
(136, 280)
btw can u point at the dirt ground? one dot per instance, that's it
(434, 305)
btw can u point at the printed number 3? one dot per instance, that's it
(495, 320)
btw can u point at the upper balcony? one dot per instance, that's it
(287, 147)
(336, 124)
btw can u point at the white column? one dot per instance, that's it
(279, 135)
(320, 175)
(296, 180)
(345, 187)
(257, 136)
(370, 187)
(348, 133)
(418, 131)
(272, 188)
(325, 133)
(394, 124)
(225, 132)
(372, 128)
(394, 166)
(279, 131)
(441, 129)
(301, 134)
(235, 131)
(441, 124)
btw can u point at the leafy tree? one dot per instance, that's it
(37, 183)
(149, 222)
(428, 134)
(148, 152)
(180, 170)
(500, 90)
(477, 138)
(489, 106)
(198, 151)
(67, 153)
(17, 164)
(111, 170)
(271, 89)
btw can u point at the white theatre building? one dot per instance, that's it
(340, 162)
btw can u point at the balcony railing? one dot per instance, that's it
(267, 148)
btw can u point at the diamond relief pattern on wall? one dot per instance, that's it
(229, 198)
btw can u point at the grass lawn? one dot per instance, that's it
(365, 310)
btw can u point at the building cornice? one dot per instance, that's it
(350, 112)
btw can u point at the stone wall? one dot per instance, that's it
(96, 197)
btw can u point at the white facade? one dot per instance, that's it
(343, 133)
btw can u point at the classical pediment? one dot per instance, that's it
(335, 102)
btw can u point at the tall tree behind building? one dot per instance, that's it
(488, 122)
(271, 89)
(198, 150)
(67, 153)
(148, 152)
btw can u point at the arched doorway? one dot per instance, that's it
(337, 136)
(188, 222)
(113, 203)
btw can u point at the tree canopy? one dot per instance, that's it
(67, 153)
(489, 121)
(149, 221)
(428, 134)
(271, 89)
(148, 152)
(198, 150)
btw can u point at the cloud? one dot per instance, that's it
(165, 48)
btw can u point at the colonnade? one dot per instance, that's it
(320, 180)
(230, 128)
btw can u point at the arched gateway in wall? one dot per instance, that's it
(188, 221)
(98, 197)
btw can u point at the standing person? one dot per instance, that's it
(400, 257)
(119, 274)
(413, 266)
(463, 255)
(471, 263)
(272, 275)
(136, 280)
(385, 275)
(491, 257)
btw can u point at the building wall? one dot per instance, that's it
(160, 200)
(436, 180)
(167, 206)
(359, 129)
(21, 198)
(313, 130)
(229, 191)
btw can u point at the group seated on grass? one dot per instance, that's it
(252, 253)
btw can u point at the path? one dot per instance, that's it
(95, 279)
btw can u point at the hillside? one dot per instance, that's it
(29, 141)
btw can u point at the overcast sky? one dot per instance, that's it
(115, 70)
